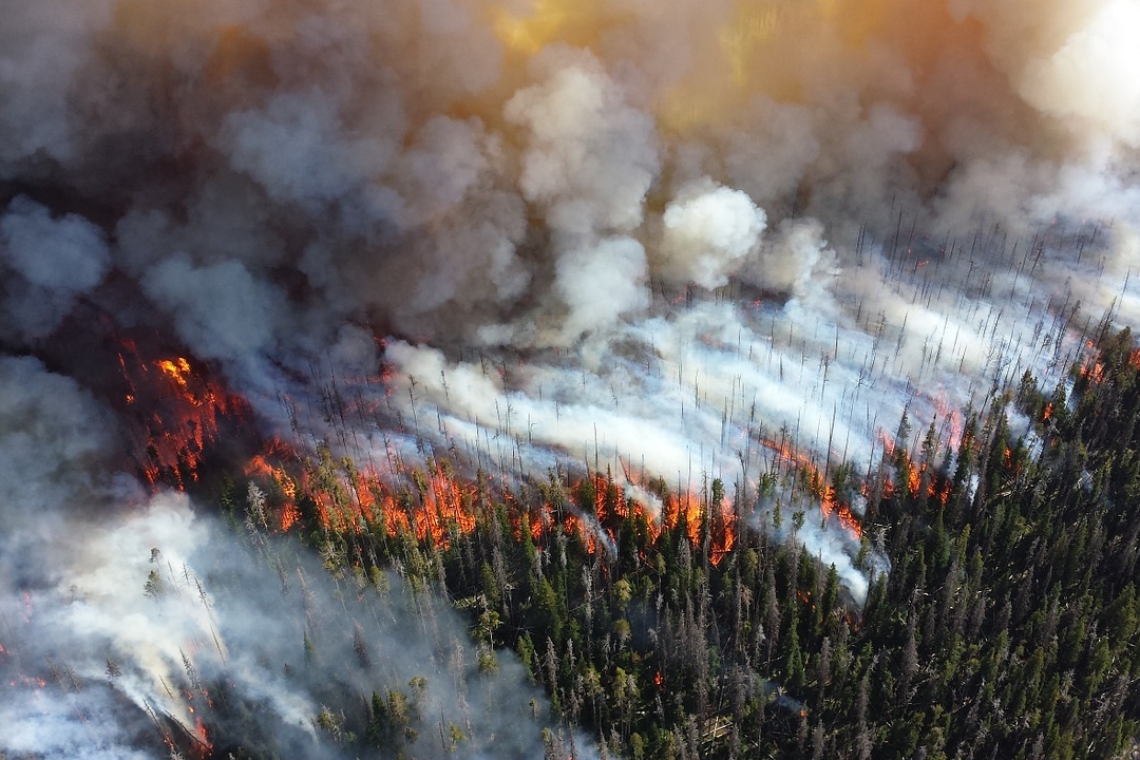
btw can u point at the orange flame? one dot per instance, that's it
(178, 411)
(177, 369)
(829, 503)
(442, 507)
(203, 736)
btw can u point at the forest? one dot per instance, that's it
(1006, 626)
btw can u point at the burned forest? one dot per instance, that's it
(535, 378)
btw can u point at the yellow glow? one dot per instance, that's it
(576, 22)
(732, 68)
(527, 35)
(177, 370)
(854, 22)
(750, 28)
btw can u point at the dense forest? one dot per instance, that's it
(1005, 628)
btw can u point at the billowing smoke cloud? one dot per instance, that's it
(48, 264)
(131, 624)
(709, 231)
(713, 240)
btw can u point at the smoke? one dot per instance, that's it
(125, 619)
(48, 263)
(710, 241)
(709, 231)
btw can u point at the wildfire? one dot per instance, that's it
(261, 468)
(177, 413)
(1093, 370)
(829, 503)
(203, 736)
(178, 370)
(440, 506)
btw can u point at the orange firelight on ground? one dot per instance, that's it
(440, 506)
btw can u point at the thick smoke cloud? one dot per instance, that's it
(660, 240)
(124, 619)
(48, 264)
(709, 231)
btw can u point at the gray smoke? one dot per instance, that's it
(124, 617)
(658, 240)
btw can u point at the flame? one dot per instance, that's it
(176, 412)
(177, 440)
(177, 369)
(1093, 370)
(266, 467)
(439, 506)
(34, 682)
(914, 477)
(953, 423)
(203, 736)
(937, 486)
(829, 502)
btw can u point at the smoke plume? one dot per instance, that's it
(705, 241)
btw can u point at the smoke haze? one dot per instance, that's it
(663, 241)
(126, 619)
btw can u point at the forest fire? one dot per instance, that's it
(177, 370)
(920, 477)
(261, 468)
(829, 503)
(410, 281)
(441, 506)
(434, 505)
(203, 736)
(177, 415)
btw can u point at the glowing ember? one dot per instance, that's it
(442, 507)
(177, 413)
(177, 370)
(33, 682)
(203, 737)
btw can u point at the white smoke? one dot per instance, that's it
(709, 232)
(662, 240)
(590, 157)
(123, 616)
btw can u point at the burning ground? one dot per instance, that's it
(578, 243)
(133, 627)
